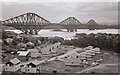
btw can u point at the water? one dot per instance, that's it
(68, 35)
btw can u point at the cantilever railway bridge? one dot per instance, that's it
(32, 23)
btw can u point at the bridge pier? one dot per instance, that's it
(32, 31)
(71, 30)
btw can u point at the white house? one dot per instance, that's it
(97, 50)
(50, 48)
(12, 65)
(33, 52)
(93, 52)
(55, 46)
(83, 55)
(88, 48)
(73, 59)
(23, 55)
(88, 54)
(8, 40)
(74, 55)
(73, 62)
(33, 67)
(46, 50)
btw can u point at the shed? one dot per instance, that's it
(33, 67)
(33, 52)
(12, 65)
(23, 55)
(73, 62)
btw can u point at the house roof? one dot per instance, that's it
(30, 43)
(33, 50)
(97, 49)
(15, 61)
(73, 60)
(89, 47)
(23, 53)
(35, 62)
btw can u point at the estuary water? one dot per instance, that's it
(68, 35)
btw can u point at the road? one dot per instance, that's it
(67, 53)
(51, 59)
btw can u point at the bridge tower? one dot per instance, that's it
(71, 24)
(28, 23)
(92, 24)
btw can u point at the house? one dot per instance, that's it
(83, 55)
(23, 55)
(88, 54)
(93, 52)
(73, 59)
(33, 67)
(12, 65)
(73, 55)
(56, 45)
(88, 48)
(73, 62)
(33, 52)
(21, 45)
(97, 50)
(46, 50)
(30, 43)
(8, 40)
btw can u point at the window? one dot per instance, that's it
(28, 69)
(50, 50)
(72, 62)
(76, 56)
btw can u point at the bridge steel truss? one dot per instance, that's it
(71, 24)
(29, 23)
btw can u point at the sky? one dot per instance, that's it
(102, 11)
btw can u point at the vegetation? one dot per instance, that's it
(104, 41)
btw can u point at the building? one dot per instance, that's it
(33, 67)
(73, 55)
(56, 45)
(73, 62)
(34, 52)
(50, 48)
(23, 55)
(97, 50)
(73, 59)
(88, 54)
(12, 65)
(88, 48)
(93, 52)
(46, 50)
(83, 55)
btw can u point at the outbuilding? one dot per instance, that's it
(33, 53)
(12, 65)
(88, 48)
(97, 50)
(73, 62)
(33, 67)
(23, 55)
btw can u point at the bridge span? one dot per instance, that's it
(32, 23)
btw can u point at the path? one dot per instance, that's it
(101, 65)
